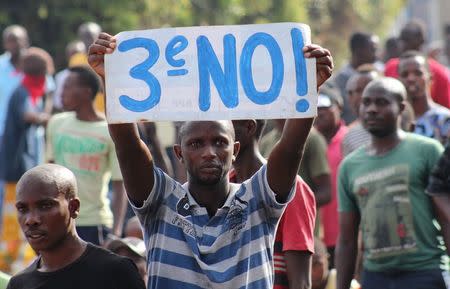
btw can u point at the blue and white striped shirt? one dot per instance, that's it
(188, 249)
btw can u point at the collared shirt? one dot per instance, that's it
(189, 249)
(434, 123)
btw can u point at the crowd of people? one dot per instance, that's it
(357, 197)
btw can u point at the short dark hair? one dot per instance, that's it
(359, 40)
(184, 129)
(415, 26)
(87, 77)
(413, 54)
(389, 85)
(37, 61)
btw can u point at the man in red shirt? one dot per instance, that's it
(412, 37)
(331, 126)
(294, 241)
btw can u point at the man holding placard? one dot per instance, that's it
(209, 233)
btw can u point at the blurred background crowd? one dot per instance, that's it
(45, 42)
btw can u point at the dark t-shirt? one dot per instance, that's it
(95, 269)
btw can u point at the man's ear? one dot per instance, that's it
(251, 126)
(402, 106)
(236, 147)
(74, 207)
(178, 152)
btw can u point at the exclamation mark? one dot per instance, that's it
(300, 69)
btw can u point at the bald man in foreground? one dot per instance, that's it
(47, 206)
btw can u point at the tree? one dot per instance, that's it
(53, 23)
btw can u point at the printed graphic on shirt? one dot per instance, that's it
(387, 221)
(83, 155)
(237, 216)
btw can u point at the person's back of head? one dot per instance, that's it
(37, 62)
(88, 32)
(392, 48)
(15, 38)
(363, 47)
(73, 47)
(413, 35)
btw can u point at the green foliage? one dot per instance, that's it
(53, 23)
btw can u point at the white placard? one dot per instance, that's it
(210, 73)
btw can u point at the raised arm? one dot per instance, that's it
(135, 159)
(286, 155)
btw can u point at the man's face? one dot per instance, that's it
(73, 93)
(414, 76)
(355, 87)
(369, 53)
(44, 214)
(379, 112)
(241, 133)
(207, 150)
(328, 118)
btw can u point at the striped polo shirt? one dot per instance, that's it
(188, 249)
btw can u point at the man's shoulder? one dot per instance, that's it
(315, 139)
(355, 157)
(105, 261)
(59, 120)
(440, 111)
(19, 92)
(102, 255)
(417, 139)
(62, 116)
(437, 67)
(345, 71)
(20, 279)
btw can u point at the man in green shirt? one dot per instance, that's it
(382, 192)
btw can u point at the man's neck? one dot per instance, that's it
(248, 162)
(89, 114)
(355, 62)
(212, 197)
(421, 105)
(381, 145)
(329, 134)
(15, 60)
(66, 253)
